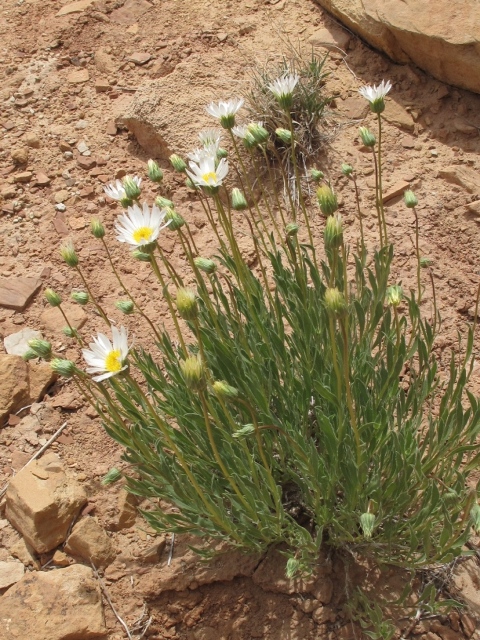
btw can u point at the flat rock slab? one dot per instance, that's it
(16, 344)
(53, 320)
(89, 541)
(64, 604)
(14, 385)
(131, 10)
(74, 7)
(16, 293)
(10, 573)
(443, 41)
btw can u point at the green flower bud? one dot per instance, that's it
(190, 184)
(394, 295)
(239, 202)
(292, 229)
(176, 220)
(154, 172)
(425, 262)
(65, 368)
(164, 203)
(327, 200)
(97, 228)
(126, 202)
(243, 432)
(125, 306)
(367, 522)
(70, 332)
(249, 141)
(42, 348)
(292, 568)
(347, 169)
(227, 121)
(205, 264)
(131, 188)
(67, 251)
(335, 302)
(258, 132)
(316, 175)
(367, 137)
(187, 303)
(80, 297)
(284, 134)
(193, 371)
(53, 297)
(29, 355)
(223, 390)
(143, 256)
(221, 153)
(178, 163)
(111, 476)
(410, 199)
(333, 234)
(475, 518)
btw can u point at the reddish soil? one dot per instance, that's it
(43, 105)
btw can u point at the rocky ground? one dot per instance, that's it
(84, 85)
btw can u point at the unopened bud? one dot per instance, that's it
(29, 355)
(53, 298)
(178, 163)
(131, 188)
(190, 184)
(347, 169)
(239, 202)
(97, 228)
(143, 256)
(154, 172)
(258, 132)
(205, 264)
(163, 203)
(249, 140)
(67, 251)
(70, 332)
(335, 302)
(410, 199)
(394, 295)
(327, 200)
(125, 202)
(193, 372)
(284, 134)
(367, 522)
(333, 234)
(80, 297)
(125, 306)
(292, 229)
(176, 220)
(367, 137)
(61, 367)
(187, 303)
(223, 390)
(111, 476)
(316, 175)
(243, 432)
(292, 568)
(42, 348)
(221, 153)
(425, 262)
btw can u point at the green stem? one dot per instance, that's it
(377, 199)
(92, 297)
(417, 248)
(360, 217)
(346, 375)
(75, 333)
(380, 188)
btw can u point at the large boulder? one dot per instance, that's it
(442, 38)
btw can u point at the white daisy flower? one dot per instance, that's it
(225, 111)
(283, 88)
(206, 174)
(376, 95)
(140, 227)
(105, 358)
(198, 154)
(210, 137)
(240, 130)
(116, 191)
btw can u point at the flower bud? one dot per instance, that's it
(335, 302)
(187, 303)
(258, 132)
(410, 199)
(367, 522)
(249, 141)
(394, 295)
(131, 188)
(221, 153)
(67, 251)
(164, 203)
(143, 256)
(316, 175)
(154, 172)
(70, 332)
(475, 517)
(29, 355)
(239, 202)
(125, 306)
(292, 568)
(292, 229)
(65, 368)
(190, 184)
(80, 297)
(327, 200)
(111, 476)
(97, 228)
(125, 202)
(223, 390)
(425, 262)
(176, 220)
(284, 134)
(205, 264)
(53, 297)
(333, 234)
(178, 163)
(246, 430)
(347, 169)
(41, 348)
(193, 372)
(367, 137)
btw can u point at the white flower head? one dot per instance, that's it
(376, 95)
(210, 137)
(198, 154)
(240, 130)
(116, 190)
(243, 132)
(207, 173)
(140, 227)
(107, 358)
(283, 88)
(225, 111)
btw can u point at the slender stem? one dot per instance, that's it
(74, 332)
(360, 215)
(264, 196)
(97, 306)
(272, 182)
(377, 198)
(417, 248)
(333, 340)
(380, 188)
(346, 375)
(170, 268)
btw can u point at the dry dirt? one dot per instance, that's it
(62, 80)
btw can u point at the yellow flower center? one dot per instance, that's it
(142, 233)
(113, 362)
(210, 177)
